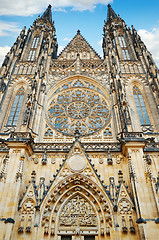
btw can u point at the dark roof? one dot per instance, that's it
(111, 14)
(47, 15)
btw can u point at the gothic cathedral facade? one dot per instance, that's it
(79, 137)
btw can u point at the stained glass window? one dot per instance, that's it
(124, 48)
(122, 41)
(13, 118)
(32, 52)
(144, 119)
(78, 108)
(125, 54)
(31, 55)
(35, 42)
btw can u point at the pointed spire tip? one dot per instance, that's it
(47, 15)
(111, 14)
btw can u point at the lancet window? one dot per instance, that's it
(13, 118)
(34, 45)
(124, 48)
(35, 42)
(144, 119)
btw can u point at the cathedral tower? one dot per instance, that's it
(79, 145)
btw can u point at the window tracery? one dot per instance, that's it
(33, 48)
(108, 131)
(48, 131)
(124, 48)
(13, 118)
(78, 108)
(144, 119)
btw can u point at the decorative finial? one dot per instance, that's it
(78, 31)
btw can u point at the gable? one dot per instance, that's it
(78, 46)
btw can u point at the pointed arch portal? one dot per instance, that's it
(77, 206)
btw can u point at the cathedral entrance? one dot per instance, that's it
(76, 207)
(77, 220)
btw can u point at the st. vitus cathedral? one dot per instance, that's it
(79, 136)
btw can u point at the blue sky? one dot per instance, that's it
(86, 15)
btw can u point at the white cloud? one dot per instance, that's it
(8, 28)
(60, 48)
(151, 40)
(60, 10)
(100, 42)
(3, 52)
(67, 39)
(29, 7)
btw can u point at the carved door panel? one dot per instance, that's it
(78, 218)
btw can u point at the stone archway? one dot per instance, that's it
(91, 209)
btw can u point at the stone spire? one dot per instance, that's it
(47, 15)
(111, 14)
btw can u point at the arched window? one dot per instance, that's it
(144, 119)
(124, 48)
(33, 48)
(13, 118)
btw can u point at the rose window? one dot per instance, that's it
(81, 109)
(78, 110)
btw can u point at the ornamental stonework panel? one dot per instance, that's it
(78, 212)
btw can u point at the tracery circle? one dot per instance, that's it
(78, 108)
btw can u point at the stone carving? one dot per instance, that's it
(4, 168)
(28, 206)
(44, 158)
(77, 163)
(78, 212)
(101, 160)
(125, 206)
(41, 188)
(65, 147)
(20, 136)
(19, 173)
